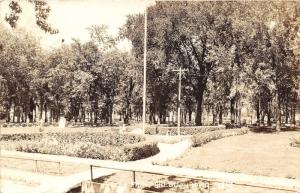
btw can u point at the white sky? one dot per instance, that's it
(72, 17)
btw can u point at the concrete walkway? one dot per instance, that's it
(16, 181)
(59, 184)
(63, 185)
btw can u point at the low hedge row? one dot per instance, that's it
(101, 138)
(100, 145)
(191, 130)
(203, 138)
(128, 152)
(27, 124)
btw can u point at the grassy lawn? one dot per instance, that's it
(257, 154)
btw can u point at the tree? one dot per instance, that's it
(42, 10)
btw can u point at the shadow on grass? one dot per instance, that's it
(174, 184)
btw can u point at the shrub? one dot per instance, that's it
(21, 137)
(152, 130)
(102, 145)
(4, 125)
(203, 138)
(102, 138)
(295, 142)
(127, 152)
(46, 124)
(138, 151)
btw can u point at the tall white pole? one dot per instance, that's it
(179, 93)
(145, 70)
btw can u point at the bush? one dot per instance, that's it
(4, 125)
(102, 138)
(129, 152)
(21, 137)
(203, 138)
(46, 124)
(138, 151)
(152, 130)
(232, 126)
(295, 142)
(102, 145)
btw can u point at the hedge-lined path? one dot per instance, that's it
(146, 165)
(253, 153)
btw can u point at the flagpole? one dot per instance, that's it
(145, 70)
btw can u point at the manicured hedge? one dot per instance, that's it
(128, 152)
(190, 130)
(101, 138)
(100, 145)
(203, 138)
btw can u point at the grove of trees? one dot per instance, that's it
(238, 55)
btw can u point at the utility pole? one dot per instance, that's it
(179, 95)
(145, 70)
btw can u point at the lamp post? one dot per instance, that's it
(179, 96)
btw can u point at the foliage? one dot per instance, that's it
(239, 56)
(236, 53)
(152, 130)
(42, 10)
(203, 138)
(101, 138)
(113, 146)
(295, 142)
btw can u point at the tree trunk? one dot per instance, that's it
(286, 113)
(199, 99)
(190, 114)
(214, 112)
(278, 113)
(221, 115)
(293, 114)
(41, 110)
(46, 117)
(232, 114)
(258, 113)
(8, 112)
(14, 113)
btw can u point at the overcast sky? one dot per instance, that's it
(72, 17)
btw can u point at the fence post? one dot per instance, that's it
(133, 172)
(91, 167)
(36, 166)
(59, 169)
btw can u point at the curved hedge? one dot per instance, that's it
(128, 152)
(100, 145)
(203, 138)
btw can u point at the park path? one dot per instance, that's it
(146, 165)
(17, 181)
